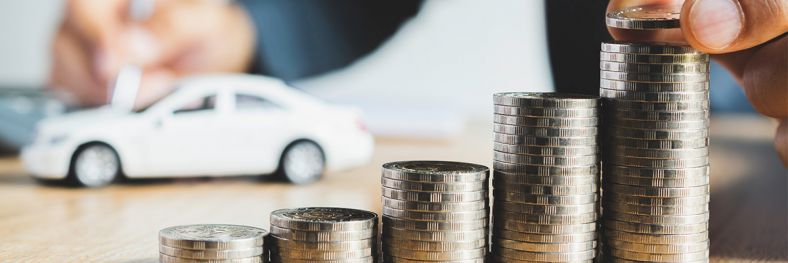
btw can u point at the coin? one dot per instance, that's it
(281, 243)
(654, 58)
(442, 236)
(435, 245)
(324, 219)
(653, 77)
(545, 112)
(584, 160)
(660, 116)
(645, 181)
(659, 154)
(657, 229)
(660, 144)
(555, 190)
(617, 105)
(543, 131)
(658, 220)
(212, 236)
(631, 86)
(675, 68)
(648, 48)
(435, 255)
(387, 258)
(171, 259)
(433, 187)
(548, 219)
(653, 96)
(320, 236)
(434, 207)
(658, 172)
(435, 171)
(656, 201)
(545, 121)
(539, 238)
(657, 191)
(508, 178)
(291, 253)
(655, 210)
(545, 247)
(435, 226)
(545, 169)
(660, 163)
(543, 256)
(275, 258)
(545, 100)
(681, 257)
(546, 209)
(434, 196)
(435, 216)
(545, 199)
(660, 248)
(645, 17)
(545, 150)
(211, 253)
(518, 226)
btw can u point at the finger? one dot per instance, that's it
(155, 84)
(70, 72)
(763, 74)
(664, 35)
(781, 141)
(723, 26)
(96, 24)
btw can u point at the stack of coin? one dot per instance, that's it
(655, 164)
(323, 234)
(212, 244)
(545, 179)
(435, 211)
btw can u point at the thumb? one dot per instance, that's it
(724, 26)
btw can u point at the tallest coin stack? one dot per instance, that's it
(655, 164)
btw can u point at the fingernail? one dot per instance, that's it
(716, 23)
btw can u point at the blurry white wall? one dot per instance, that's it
(26, 28)
(440, 69)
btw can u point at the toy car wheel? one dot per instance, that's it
(95, 165)
(302, 163)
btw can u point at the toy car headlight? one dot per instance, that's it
(58, 139)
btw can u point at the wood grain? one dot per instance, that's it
(41, 223)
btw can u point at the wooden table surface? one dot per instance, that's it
(38, 223)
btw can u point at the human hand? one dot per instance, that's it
(181, 37)
(747, 37)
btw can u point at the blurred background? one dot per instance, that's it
(435, 71)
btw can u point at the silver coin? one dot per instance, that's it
(538, 238)
(658, 248)
(622, 132)
(545, 209)
(545, 199)
(211, 253)
(657, 191)
(654, 210)
(658, 154)
(290, 253)
(618, 105)
(583, 160)
(656, 201)
(544, 247)
(644, 181)
(324, 219)
(648, 48)
(275, 258)
(435, 171)
(389, 258)
(662, 125)
(654, 77)
(434, 207)
(682, 257)
(620, 260)
(545, 150)
(544, 141)
(645, 17)
(281, 243)
(321, 236)
(546, 121)
(436, 216)
(658, 220)
(510, 224)
(507, 178)
(434, 245)
(434, 196)
(652, 86)
(433, 187)
(656, 239)
(545, 100)
(443, 236)
(548, 219)
(435, 255)
(656, 229)
(657, 172)
(546, 112)
(435, 226)
(543, 131)
(556, 190)
(653, 96)
(543, 256)
(659, 144)
(212, 236)
(659, 163)
(170, 259)
(659, 116)
(677, 68)
(653, 58)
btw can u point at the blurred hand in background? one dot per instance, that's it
(178, 38)
(746, 37)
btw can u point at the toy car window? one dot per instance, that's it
(247, 102)
(201, 104)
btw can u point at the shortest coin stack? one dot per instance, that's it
(323, 234)
(545, 181)
(212, 243)
(435, 211)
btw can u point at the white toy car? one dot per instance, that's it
(220, 125)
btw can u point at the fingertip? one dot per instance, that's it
(781, 141)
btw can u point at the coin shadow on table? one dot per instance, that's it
(748, 210)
